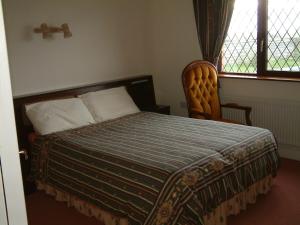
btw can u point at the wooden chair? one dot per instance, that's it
(200, 84)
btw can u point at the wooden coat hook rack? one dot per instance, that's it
(47, 31)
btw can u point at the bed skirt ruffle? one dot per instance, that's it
(82, 206)
(239, 202)
(217, 217)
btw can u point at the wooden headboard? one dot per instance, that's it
(140, 89)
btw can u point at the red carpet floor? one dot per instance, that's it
(280, 207)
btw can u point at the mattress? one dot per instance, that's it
(156, 169)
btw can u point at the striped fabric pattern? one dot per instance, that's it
(156, 169)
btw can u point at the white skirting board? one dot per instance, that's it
(289, 151)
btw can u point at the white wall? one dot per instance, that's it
(281, 91)
(108, 42)
(174, 43)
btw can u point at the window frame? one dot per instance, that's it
(262, 49)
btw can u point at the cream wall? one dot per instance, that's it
(108, 42)
(174, 43)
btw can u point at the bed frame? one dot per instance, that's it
(140, 88)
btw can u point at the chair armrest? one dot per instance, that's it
(247, 110)
(196, 112)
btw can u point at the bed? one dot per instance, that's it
(147, 168)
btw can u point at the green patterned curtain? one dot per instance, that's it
(212, 19)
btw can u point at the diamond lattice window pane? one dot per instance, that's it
(239, 53)
(284, 35)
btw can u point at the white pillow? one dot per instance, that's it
(109, 104)
(58, 115)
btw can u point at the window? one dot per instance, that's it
(263, 39)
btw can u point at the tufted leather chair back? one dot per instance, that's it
(200, 85)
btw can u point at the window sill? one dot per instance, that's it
(253, 77)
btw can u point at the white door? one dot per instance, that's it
(3, 214)
(12, 200)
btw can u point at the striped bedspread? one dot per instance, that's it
(156, 169)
